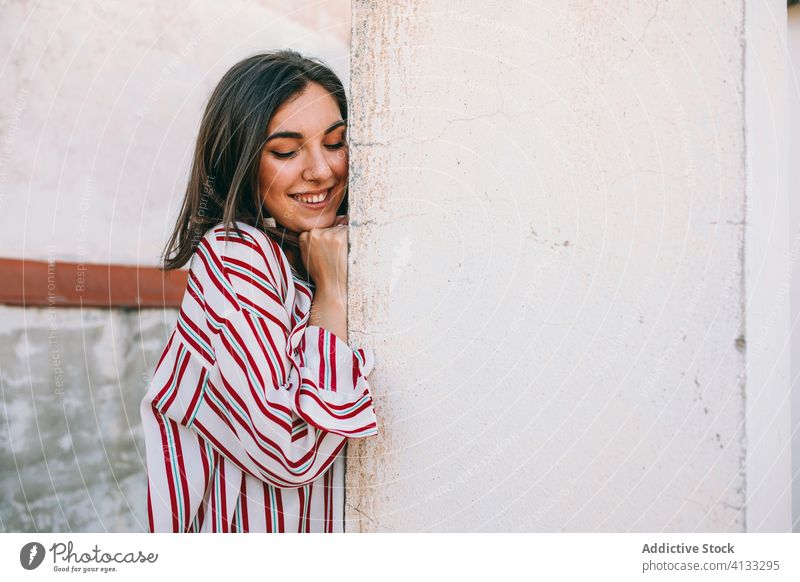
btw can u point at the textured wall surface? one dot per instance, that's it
(548, 260)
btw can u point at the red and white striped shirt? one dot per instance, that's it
(249, 406)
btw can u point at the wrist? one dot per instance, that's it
(329, 311)
(332, 294)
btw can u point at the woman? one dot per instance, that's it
(257, 391)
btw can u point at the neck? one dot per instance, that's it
(293, 255)
(289, 242)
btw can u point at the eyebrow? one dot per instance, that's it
(296, 135)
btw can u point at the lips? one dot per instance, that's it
(316, 199)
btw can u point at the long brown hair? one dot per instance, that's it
(223, 184)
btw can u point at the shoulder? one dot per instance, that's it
(247, 246)
(247, 263)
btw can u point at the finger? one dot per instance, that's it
(342, 219)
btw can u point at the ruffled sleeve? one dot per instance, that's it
(240, 380)
(334, 394)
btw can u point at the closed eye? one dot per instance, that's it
(284, 156)
(287, 155)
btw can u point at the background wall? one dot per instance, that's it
(101, 105)
(551, 244)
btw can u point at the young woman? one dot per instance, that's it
(257, 390)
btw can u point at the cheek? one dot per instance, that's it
(340, 163)
(273, 178)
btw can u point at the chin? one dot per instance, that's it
(323, 222)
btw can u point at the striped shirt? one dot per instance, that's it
(250, 407)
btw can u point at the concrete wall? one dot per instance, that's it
(101, 104)
(549, 240)
(71, 456)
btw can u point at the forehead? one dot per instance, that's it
(309, 112)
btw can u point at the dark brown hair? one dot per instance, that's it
(223, 184)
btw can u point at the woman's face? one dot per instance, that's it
(303, 171)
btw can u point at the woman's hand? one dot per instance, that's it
(324, 254)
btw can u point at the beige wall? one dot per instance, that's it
(549, 254)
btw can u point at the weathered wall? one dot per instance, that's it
(548, 259)
(71, 455)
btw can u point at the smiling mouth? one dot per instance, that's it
(312, 200)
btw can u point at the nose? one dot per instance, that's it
(317, 168)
